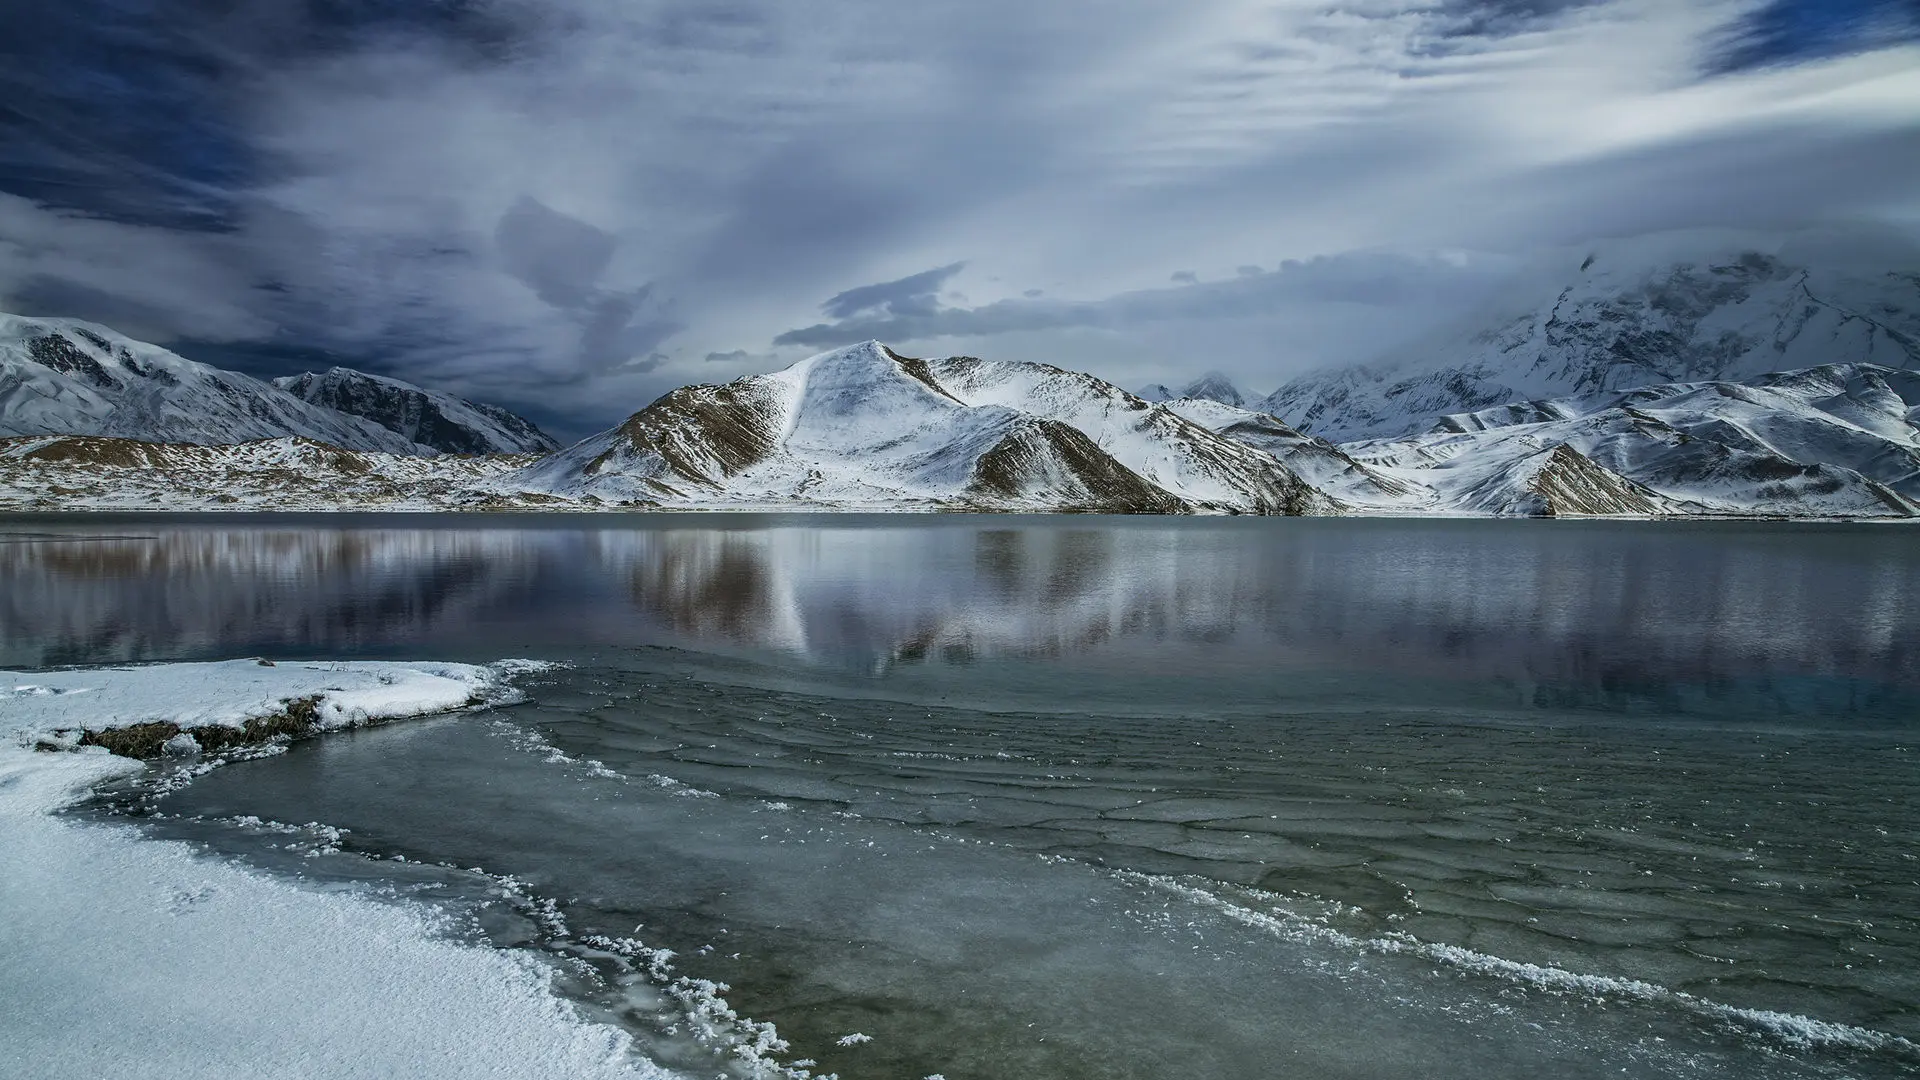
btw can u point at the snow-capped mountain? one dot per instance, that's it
(1836, 440)
(1213, 386)
(1669, 308)
(67, 377)
(864, 427)
(427, 417)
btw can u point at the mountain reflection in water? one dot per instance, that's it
(1800, 619)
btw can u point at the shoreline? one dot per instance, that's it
(129, 955)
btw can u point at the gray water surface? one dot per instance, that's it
(1114, 797)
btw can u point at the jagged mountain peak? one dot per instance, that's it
(429, 418)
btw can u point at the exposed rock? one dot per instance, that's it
(426, 417)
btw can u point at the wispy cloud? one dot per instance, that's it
(1380, 279)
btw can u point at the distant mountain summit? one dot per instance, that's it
(426, 417)
(68, 377)
(1671, 308)
(1213, 386)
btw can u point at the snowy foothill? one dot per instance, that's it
(129, 957)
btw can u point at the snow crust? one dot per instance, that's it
(55, 472)
(137, 958)
(228, 693)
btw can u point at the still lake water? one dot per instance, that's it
(1095, 797)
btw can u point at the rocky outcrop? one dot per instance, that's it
(427, 418)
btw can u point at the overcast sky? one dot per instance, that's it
(570, 206)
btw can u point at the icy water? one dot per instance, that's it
(1089, 797)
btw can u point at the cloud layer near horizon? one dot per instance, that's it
(571, 205)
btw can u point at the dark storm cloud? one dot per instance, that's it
(914, 294)
(620, 327)
(136, 110)
(560, 258)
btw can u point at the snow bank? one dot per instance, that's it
(137, 958)
(231, 692)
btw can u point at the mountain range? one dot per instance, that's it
(1699, 375)
(68, 377)
(866, 428)
(1670, 308)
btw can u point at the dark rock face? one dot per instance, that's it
(1571, 484)
(56, 352)
(1049, 454)
(445, 423)
(703, 433)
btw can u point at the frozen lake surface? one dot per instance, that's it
(1096, 797)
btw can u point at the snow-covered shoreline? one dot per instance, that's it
(132, 957)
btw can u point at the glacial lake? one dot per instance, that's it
(1093, 797)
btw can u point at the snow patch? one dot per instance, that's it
(124, 956)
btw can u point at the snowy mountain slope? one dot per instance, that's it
(1555, 481)
(1669, 308)
(859, 427)
(1154, 441)
(1836, 440)
(1318, 462)
(88, 472)
(428, 417)
(67, 377)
